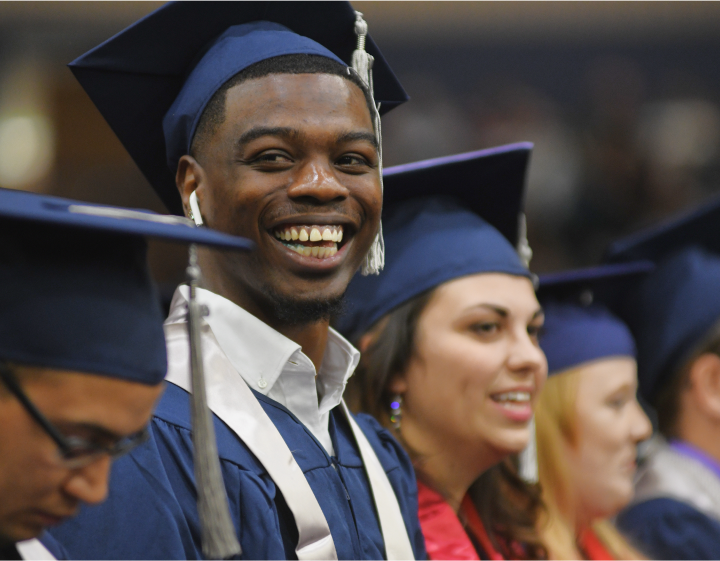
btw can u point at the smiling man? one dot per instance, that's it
(251, 119)
(82, 355)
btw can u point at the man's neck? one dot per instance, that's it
(312, 337)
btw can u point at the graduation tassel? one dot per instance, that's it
(523, 246)
(362, 63)
(527, 459)
(219, 540)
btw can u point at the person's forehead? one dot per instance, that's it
(302, 96)
(513, 293)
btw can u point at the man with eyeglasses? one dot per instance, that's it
(82, 355)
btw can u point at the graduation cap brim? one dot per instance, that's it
(579, 327)
(490, 183)
(604, 280)
(134, 77)
(697, 227)
(19, 205)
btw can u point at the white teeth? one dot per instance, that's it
(327, 235)
(288, 235)
(339, 238)
(317, 251)
(293, 233)
(315, 235)
(520, 397)
(334, 236)
(303, 237)
(277, 234)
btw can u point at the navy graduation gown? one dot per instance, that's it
(151, 511)
(53, 546)
(665, 528)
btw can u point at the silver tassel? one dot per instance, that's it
(523, 246)
(528, 466)
(362, 63)
(219, 540)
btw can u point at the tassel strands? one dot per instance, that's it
(219, 540)
(528, 468)
(362, 63)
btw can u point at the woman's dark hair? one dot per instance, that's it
(508, 506)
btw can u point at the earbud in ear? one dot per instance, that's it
(195, 209)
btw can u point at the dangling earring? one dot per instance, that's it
(396, 411)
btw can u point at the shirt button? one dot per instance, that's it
(262, 384)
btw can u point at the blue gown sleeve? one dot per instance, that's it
(52, 545)
(401, 474)
(151, 510)
(665, 528)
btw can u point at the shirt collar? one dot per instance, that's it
(260, 354)
(690, 451)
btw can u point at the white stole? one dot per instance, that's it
(33, 550)
(233, 402)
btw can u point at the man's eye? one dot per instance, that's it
(352, 160)
(536, 331)
(272, 158)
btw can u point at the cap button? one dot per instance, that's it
(262, 384)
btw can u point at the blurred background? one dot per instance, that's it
(621, 99)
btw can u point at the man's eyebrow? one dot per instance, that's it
(91, 428)
(258, 132)
(355, 136)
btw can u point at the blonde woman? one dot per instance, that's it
(588, 418)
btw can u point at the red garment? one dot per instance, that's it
(592, 547)
(445, 536)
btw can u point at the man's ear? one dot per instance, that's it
(705, 384)
(190, 177)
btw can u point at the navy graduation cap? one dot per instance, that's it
(579, 327)
(153, 80)
(443, 218)
(75, 289)
(674, 309)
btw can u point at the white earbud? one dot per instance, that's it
(195, 209)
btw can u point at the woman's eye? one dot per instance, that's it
(536, 331)
(617, 402)
(485, 328)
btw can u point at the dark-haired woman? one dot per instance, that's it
(451, 361)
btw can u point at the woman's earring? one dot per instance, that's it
(195, 215)
(396, 411)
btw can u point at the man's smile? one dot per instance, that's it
(317, 240)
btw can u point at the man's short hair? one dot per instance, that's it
(667, 403)
(214, 114)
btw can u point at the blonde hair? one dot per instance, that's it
(556, 422)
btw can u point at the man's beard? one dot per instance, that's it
(294, 312)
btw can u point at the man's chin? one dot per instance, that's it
(294, 311)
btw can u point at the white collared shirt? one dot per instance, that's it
(275, 366)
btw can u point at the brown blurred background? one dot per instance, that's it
(622, 101)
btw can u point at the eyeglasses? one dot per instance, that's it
(75, 452)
